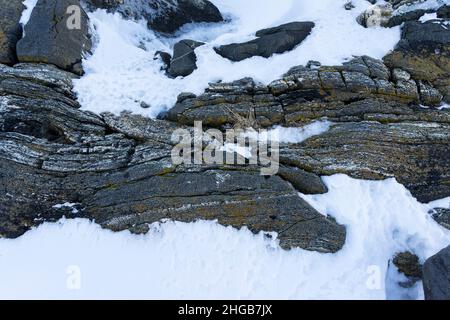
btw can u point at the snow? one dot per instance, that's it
(67, 205)
(26, 14)
(278, 134)
(427, 17)
(75, 259)
(293, 134)
(121, 72)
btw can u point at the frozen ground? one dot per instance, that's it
(121, 73)
(76, 259)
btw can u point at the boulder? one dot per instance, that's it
(165, 16)
(184, 60)
(269, 41)
(57, 33)
(436, 276)
(10, 29)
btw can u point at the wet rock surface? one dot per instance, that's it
(55, 37)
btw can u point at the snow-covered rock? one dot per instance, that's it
(163, 15)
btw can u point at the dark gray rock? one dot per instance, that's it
(444, 12)
(105, 4)
(118, 171)
(165, 58)
(436, 276)
(269, 42)
(441, 216)
(10, 29)
(184, 60)
(428, 35)
(380, 122)
(48, 39)
(304, 182)
(165, 16)
(405, 17)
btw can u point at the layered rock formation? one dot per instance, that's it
(379, 121)
(118, 171)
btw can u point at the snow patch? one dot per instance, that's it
(26, 14)
(204, 260)
(67, 205)
(292, 134)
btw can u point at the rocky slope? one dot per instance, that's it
(117, 170)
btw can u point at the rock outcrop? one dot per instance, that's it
(424, 53)
(118, 171)
(163, 15)
(378, 119)
(57, 33)
(436, 276)
(10, 29)
(269, 42)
